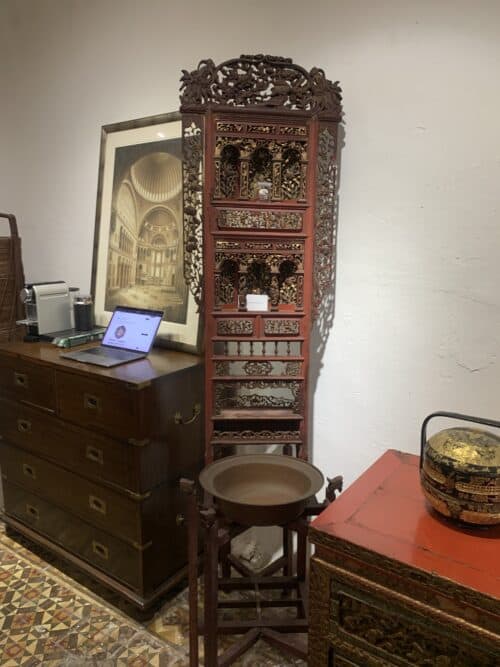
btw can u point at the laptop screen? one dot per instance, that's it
(132, 329)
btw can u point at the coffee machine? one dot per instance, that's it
(48, 309)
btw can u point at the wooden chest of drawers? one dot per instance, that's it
(392, 583)
(91, 460)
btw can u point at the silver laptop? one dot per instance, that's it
(128, 336)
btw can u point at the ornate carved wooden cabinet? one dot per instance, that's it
(259, 137)
(91, 459)
(392, 583)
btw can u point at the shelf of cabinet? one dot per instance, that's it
(250, 357)
(253, 378)
(259, 204)
(261, 313)
(251, 441)
(257, 414)
(230, 338)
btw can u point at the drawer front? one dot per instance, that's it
(27, 382)
(86, 453)
(111, 407)
(100, 506)
(373, 625)
(102, 550)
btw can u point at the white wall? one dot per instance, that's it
(418, 310)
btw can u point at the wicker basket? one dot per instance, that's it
(11, 283)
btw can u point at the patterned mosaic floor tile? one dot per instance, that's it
(55, 616)
(29, 650)
(144, 649)
(45, 620)
(98, 636)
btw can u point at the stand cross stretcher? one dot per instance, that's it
(207, 520)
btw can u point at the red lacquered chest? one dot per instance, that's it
(392, 583)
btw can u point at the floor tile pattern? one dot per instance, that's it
(53, 615)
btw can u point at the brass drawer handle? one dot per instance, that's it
(94, 454)
(196, 413)
(91, 402)
(33, 512)
(24, 426)
(97, 504)
(29, 471)
(100, 550)
(20, 380)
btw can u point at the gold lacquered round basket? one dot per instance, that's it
(460, 471)
(261, 489)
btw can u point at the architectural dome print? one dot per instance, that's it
(145, 257)
(157, 177)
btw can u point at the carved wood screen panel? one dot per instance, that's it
(259, 136)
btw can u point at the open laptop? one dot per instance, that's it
(128, 336)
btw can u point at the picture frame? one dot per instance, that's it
(138, 257)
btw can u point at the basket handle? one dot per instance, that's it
(12, 222)
(451, 415)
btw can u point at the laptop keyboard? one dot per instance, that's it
(112, 353)
(122, 354)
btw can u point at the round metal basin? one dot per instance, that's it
(261, 489)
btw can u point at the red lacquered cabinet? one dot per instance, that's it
(260, 171)
(392, 583)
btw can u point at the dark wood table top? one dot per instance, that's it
(159, 362)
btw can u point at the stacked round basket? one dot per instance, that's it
(460, 471)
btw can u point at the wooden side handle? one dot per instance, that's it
(196, 413)
(12, 223)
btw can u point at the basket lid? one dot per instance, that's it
(466, 449)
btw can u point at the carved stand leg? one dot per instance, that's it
(210, 631)
(287, 552)
(225, 559)
(188, 487)
(287, 535)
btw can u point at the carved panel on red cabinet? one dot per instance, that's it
(267, 220)
(235, 327)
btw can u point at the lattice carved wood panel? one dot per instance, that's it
(260, 189)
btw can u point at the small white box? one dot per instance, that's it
(257, 301)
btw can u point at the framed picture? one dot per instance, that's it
(138, 241)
